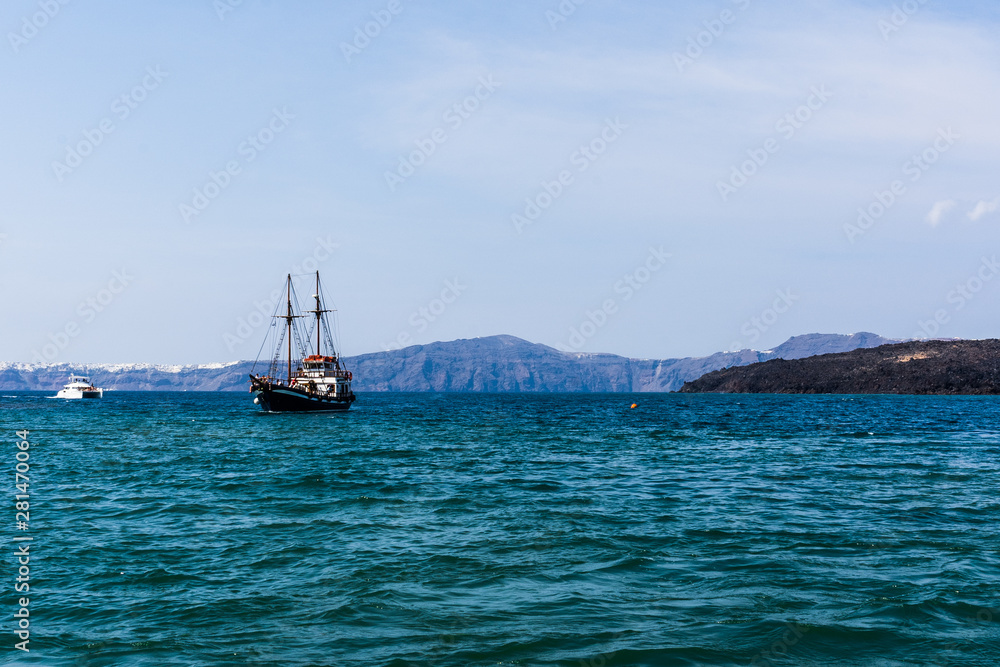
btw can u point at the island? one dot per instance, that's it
(940, 367)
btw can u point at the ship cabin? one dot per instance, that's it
(326, 373)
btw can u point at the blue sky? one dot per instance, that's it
(645, 178)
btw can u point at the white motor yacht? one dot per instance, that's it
(80, 387)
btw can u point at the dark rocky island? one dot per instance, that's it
(916, 367)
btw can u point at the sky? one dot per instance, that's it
(645, 178)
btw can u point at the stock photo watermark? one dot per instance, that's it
(787, 126)
(370, 30)
(627, 287)
(984, 618)
(264, 309)
(121, 108)
(582, 159)
(448, 641)
(421, 319)
(901, 13)
(779, 651)
(562, 13)
(223, 7)
(22, 520)
(758, 325)
(87, 311)
(31, 25)
(959, 297)
(913, 169)
(454, 118)
(601, 659)
(248, 151)
(714, 29)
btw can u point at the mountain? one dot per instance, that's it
(128, 377)
(915, 367)
(491, 364)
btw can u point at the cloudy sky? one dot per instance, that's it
(654, 179)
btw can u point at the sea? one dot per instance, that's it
(572, 530)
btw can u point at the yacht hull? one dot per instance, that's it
(75, 393)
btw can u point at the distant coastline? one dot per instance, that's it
(503, 364)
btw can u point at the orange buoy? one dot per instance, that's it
(634, 406)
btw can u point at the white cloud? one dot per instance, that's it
(938, 210)
(983, 208)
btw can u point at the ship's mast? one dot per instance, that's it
(288, 319)
(318, 327)
(319, 315)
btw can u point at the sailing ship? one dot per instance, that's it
(319, 382)
(80, 387)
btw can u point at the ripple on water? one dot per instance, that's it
(178, 529)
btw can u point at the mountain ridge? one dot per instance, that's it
(501, 363)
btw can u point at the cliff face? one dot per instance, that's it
(491, 364)
(931, 367)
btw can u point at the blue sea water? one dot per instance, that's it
(441, 529)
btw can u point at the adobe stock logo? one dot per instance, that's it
(223, 7)
(255, 144)
(714, 30)
(757, 326)
(424, 316)
(899, 17)
(88, 310)
(30, 27)
(565, 9)
(630, 284)
(959, 297)
(787, 126)
(915, 168)
(363, 35)
(122, 107)
(582, 158)
(455, 117)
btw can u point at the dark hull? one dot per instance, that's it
(290, 399)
